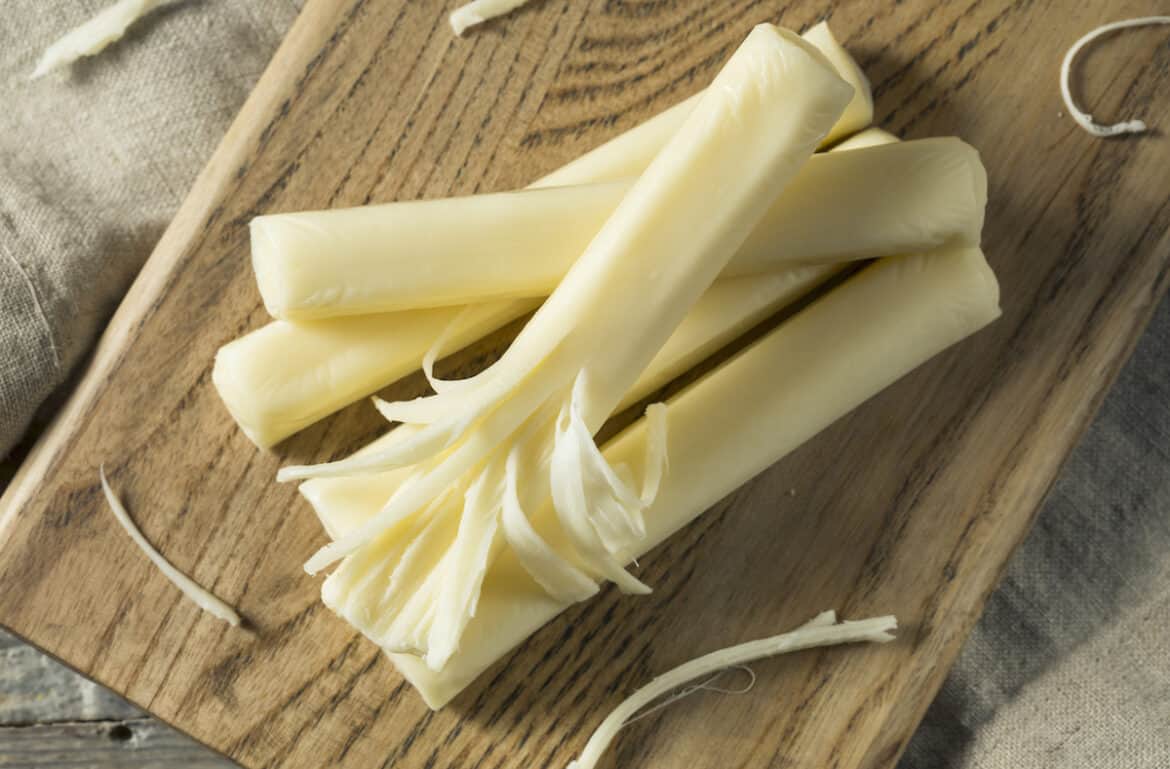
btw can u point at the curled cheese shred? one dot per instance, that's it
(1082, 118)
(464, 567)
(202, 598)
(657, 456)
(435, 351)
(477, 12)
(595, 507)
(823, 630)
(94, 35)
(555, 574)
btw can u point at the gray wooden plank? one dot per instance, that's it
(36, 689)
(132, 744)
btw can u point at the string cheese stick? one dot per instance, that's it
(320, 382)
(729, 426)
(881, 200)
(629, 153)
(823, 630)
(187, 586)
(94, 35)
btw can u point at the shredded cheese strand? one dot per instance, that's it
(571, 502)
(705, 686)
(657, 456)
(477, 12)
(94, 35)
(436, 350)
(821, 631)
(465, 565)
(559, 578)
(492, 432)
(202, 598)
(1082, 118)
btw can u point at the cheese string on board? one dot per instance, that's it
(822, 630)
(202, 597)
(705, 686)
(93, 36)
(1082, 118)
(479, 11)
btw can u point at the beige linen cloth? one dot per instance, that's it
(1070, 666)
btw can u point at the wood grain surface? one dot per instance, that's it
(911, 505)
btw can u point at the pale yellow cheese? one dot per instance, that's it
(877, 201)
(570, 367)
(616, 307)
(735, 422)
(312, 265)
(870, 137)
(629, 153)
(285, 376)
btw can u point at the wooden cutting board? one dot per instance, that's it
(911, 505)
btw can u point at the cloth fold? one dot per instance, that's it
(1068, 667)
(94, 160)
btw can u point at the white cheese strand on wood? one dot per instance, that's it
(203, 598)
(560, 578)
(821, 631)
(1082, 118)
(94, 35)
(466, 16)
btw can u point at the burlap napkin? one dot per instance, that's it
(1070, 666)
(93, 164)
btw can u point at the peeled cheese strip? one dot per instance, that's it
(187, 586)
(881, 200)
(94, 35)
(823, 630)
(732, 424)
(478, 11)
(285, 376)
(1082, 118)
(320, 383)
(629, 153)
